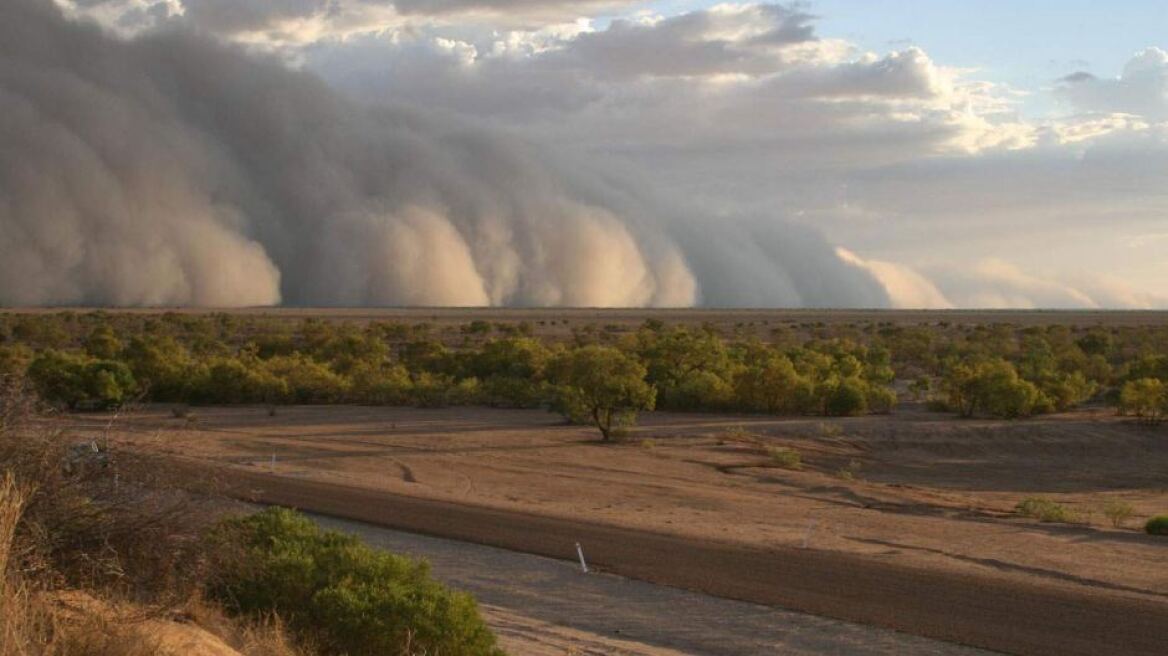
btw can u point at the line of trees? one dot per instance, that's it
(600, 375)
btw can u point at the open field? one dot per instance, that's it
(904, 520)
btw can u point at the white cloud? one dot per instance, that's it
(1141, 89)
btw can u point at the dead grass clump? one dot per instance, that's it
(850, 471)
(830, 430)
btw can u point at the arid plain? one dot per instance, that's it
(907, 520)
(914, 489)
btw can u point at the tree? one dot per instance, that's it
(102, 343)
(769, 384)
(992, 386)
(77, 381)
(602, 384)
(1146, 398)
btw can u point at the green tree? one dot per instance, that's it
(769, 384)
(78, 381)
(991, 386)
(1146, 398)
(602, 384)
(103, 344)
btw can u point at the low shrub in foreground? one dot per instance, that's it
(1157, 525)
(338, 593)
(1045, 510)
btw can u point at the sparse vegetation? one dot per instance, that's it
(92, 543)
(1118, 512)
(785, 457)
(1045, 510)
(850, 471)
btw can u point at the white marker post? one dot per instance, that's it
(810, 527)
(580, 552)
(273, 463)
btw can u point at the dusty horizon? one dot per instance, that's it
(203, 153)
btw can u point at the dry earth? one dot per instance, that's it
(926, 490)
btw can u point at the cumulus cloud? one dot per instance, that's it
(1141, 89)
(173, 170)
(283, 23)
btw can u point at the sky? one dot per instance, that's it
(820, 153)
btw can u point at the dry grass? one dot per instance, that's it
(88, 554)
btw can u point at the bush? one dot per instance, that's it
(1146, 398)
(785, 457)
(77, 381)
(847, 398)
(1157, 525)
(1118, 512)
(1045, 510)
(335, 591)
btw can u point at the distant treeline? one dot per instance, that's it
(95, 360)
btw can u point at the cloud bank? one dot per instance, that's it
(171, 169)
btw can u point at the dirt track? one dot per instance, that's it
(1001, 615)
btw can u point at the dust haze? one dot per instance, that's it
(172, 169)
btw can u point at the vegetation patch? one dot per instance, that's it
(785, 457)
(1118, 512)
(344, 596)
(1045, 510)
(1157, 525)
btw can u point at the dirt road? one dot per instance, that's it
(1006, 616)
(540, 606)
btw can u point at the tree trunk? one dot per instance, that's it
(604, 428)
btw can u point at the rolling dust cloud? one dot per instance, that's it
(172, 169)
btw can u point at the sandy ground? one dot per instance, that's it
(544, 607)
(927, 490)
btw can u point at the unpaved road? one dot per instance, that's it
(538, 605)
(1001, 615)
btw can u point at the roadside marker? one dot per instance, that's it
(580, 552)
(273, 463)
(810, 527)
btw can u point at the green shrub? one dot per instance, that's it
(847, 398)
(339, 594)
(785, 457)
(1044, 510)
(1146, 398)
(78, 381)
(1157, 525)
(1118, 512)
